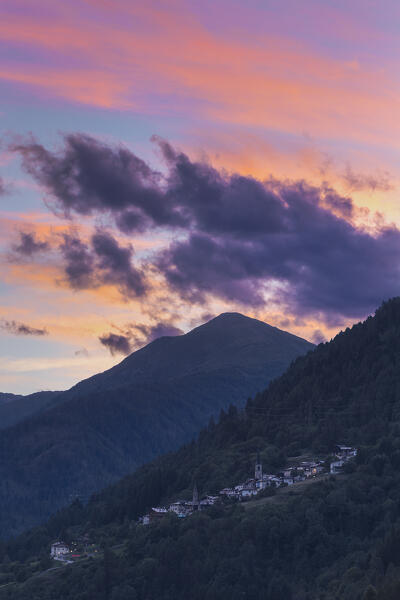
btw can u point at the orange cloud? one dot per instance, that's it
(269, 82)
(85, 86)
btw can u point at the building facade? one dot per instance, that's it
(58, 549)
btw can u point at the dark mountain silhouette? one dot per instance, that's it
(337, 538)
(228, 341)
(156, 399)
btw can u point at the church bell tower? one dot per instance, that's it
(195, 501)
(258, 469)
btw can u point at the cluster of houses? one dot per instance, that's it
(251, 487)
(243, 491)
(182, 508)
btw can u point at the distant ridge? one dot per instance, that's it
(15, 407)
(5, 398)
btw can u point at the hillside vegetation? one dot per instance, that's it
(153, 401)
(339, 539)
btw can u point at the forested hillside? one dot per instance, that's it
(150, 403)
(339, 539)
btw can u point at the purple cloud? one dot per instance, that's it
(29, 245)
(3, 189)
(358, 181)
(18, 328)
(114, 264)
(237, 236)
(116, 344)
(137, 335)
(79, 263)
(150, 333)
(89, 177)
(101, 262)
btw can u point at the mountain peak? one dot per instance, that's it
(154, 400)
(230, 315)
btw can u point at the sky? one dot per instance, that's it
(163, 162)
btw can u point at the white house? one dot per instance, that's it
(276, 481)
(212, 499)
(345, 451)
(288, 480)
(227, 492)
(177, 507)
(336, 466)
(248, 491)
(288, 472)
(209, 500)
(58, 550)
(261, 485)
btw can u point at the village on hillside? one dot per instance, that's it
(251, 487)
(241, 492)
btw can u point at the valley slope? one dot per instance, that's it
(340, 538)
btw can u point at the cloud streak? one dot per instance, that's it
(227, 71)
(18, 328)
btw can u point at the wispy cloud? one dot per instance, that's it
(3, 187)
(82, 352)
(379, 181)
(132, 336)
(18, 328)
(29, 245)
(157, 58)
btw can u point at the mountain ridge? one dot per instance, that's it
(153, 401)
(159, 345)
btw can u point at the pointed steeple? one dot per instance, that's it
(195, 501)
(258, 469)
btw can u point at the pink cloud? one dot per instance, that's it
(161, 59)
